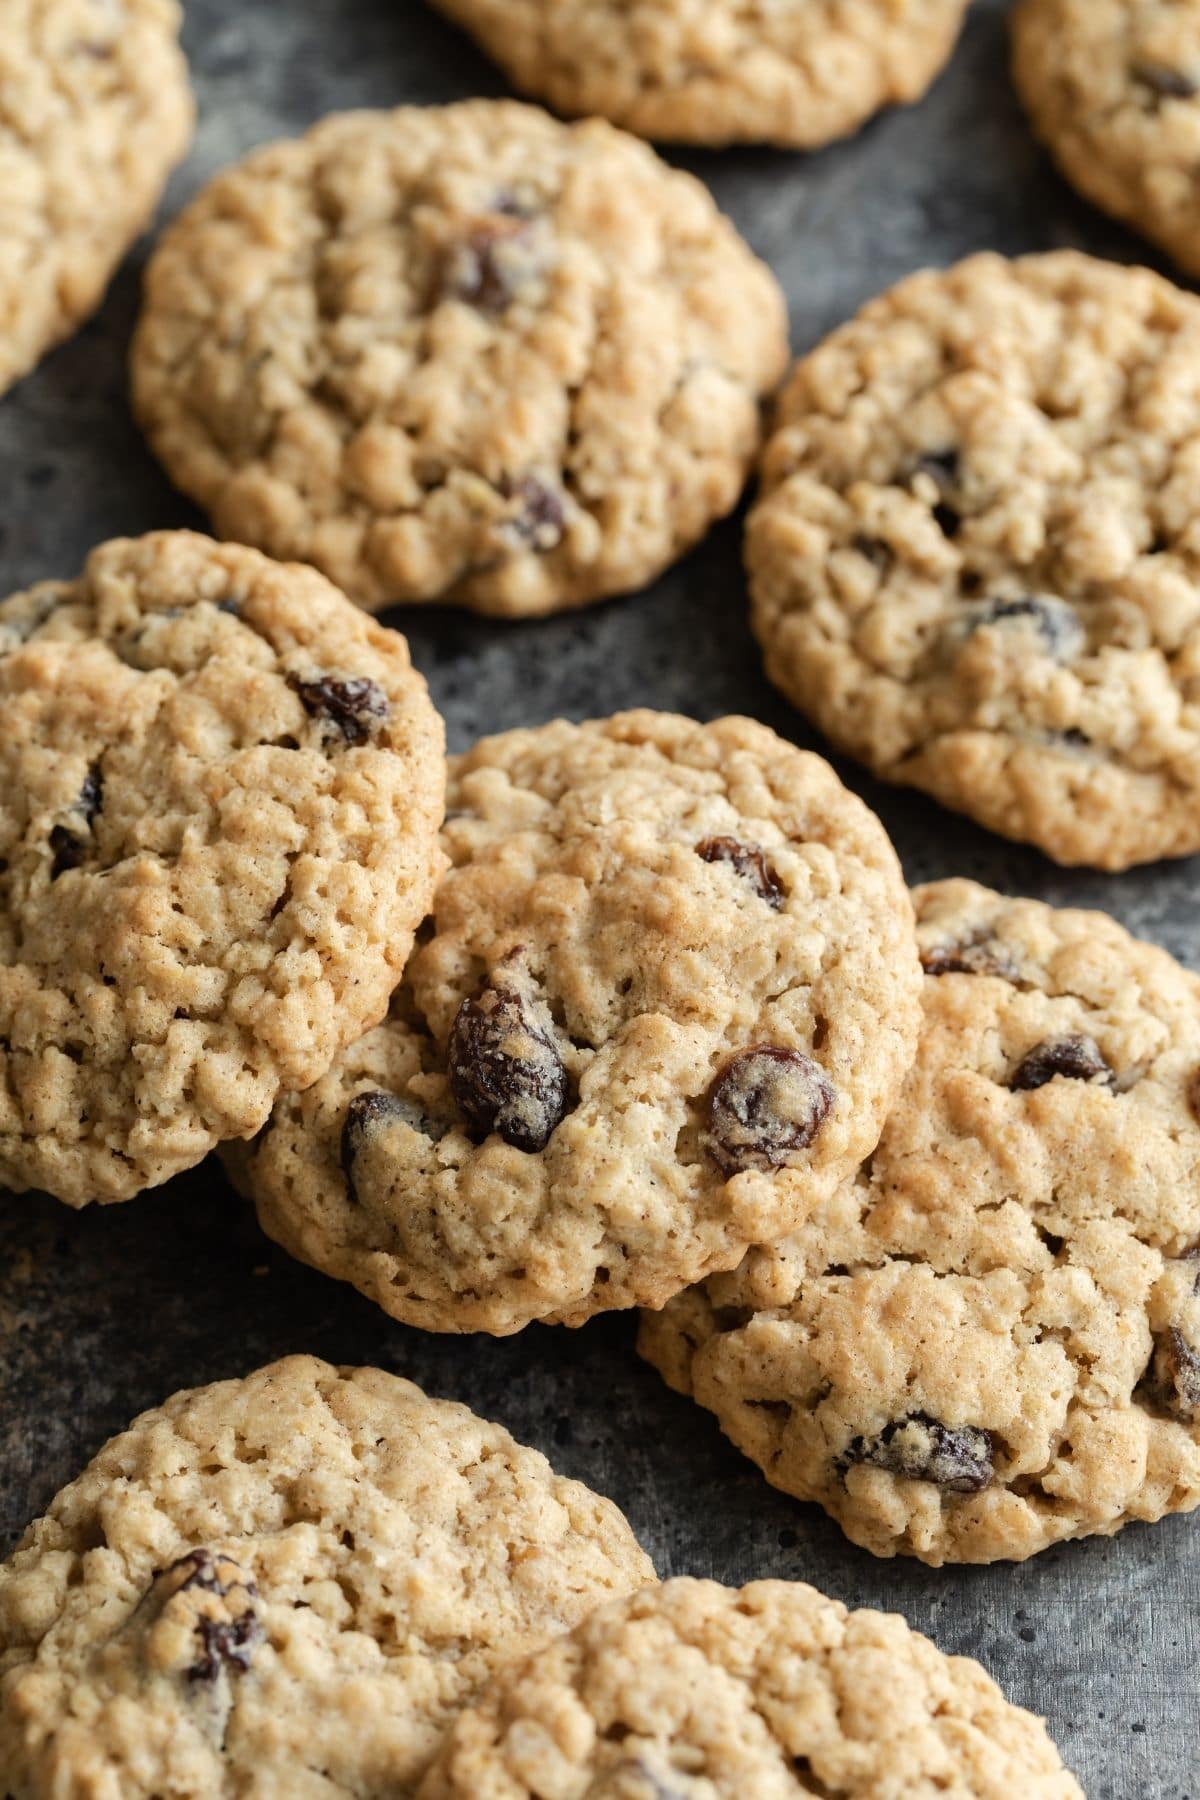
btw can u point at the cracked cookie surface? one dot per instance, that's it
(1112, 88)
(798, 73)
(623, 1051)
(976, 562)
(989, 1340)
(220, 789)
(462, 353)
(286, 1584)
(693, 1691)
(95, 111)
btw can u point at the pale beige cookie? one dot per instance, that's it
(989, 1340)
(668, 994)
(286, 1586)
(220, 789)
(693, 1691)
(461, 353)
(95, 111)
(797, 73)
(1113, 90)
(976, 562)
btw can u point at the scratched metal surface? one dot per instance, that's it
(105, 1313)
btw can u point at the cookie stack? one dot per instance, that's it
(631, 1013)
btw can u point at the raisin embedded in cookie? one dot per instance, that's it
(693, 1691)
(800, 73)
(220, 789)
(1113, 90)
(95, 111)
(668, 993)
(287, 1584)
(989, 1340)
(461, 353)
(975, 563)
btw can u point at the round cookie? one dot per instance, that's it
(286, 1584)
(693, 1691)
(461, 353)
(989, 1340)
(797, 74)
(220, 789)
(668, 994)
(1112, 88)
(976, 562)
(95, 111)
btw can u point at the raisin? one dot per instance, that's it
(371, 1112)
(506, 1074)
(748, 861)
(976, 956)
(541, 517)
(942, 468)
(1175, 1374)
(1056, 621)
(1076, 1058)
(1166, 82)
(484, 268)
(765, 1105)
(874, 550)
(68, 847)
(225, 1622)
(919, 1448)
(354, 705)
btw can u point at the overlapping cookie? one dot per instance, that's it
(461, 353)
(989, 1340)
(975, 563)
(286, 1584)
(668, 993)
(220, 790)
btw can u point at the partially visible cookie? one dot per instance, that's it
(220, 791)
(722, 71)
(1113, 90)
(693, 1691)
(668, 994)
(95, 111)
(286, 1584)
(461, 353)
(976, 562)
(989, 1340)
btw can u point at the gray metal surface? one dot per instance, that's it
(105, 1313)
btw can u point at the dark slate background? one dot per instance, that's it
(108, 1312)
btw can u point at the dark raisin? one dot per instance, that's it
(354, 705)
(541, 517)
(371, 1112)
(1076, 1058)
(942, 468)
(486, 266)
(506, 1074)
(1055, 620)
(748, 861)
(977, 956)
(1166, 82)
(225, 1623)
(1174, 1374)
(67, 851)
(919, 1448)
(764, 1106)
(876, 552)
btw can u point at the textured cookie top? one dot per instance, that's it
(286, 1585)
(795, 72)
(977, 563)
(220, 788)
(693, 1691)
(95, 110)
(669, 992)
(463, 353)
(1113, 89)
(990, 1339)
